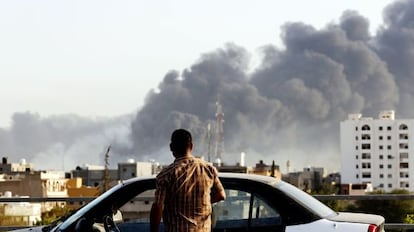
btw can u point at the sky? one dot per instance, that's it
(101, 58)
(78, 76)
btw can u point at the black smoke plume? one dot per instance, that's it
(288, 108)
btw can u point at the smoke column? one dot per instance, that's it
(288, 108)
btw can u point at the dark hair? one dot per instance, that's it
(180, 140)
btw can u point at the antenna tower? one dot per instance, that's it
(208, 137)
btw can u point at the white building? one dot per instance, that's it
(133, 169)
(378, 151)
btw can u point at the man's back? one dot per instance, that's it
(185, 190)
(188, 183)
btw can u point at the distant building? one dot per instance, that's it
(133, 169)
(94, 176)
(75, 188)
(308, 180)
(233, 168)
(356, 189)
(267, 170)
(14, 168)
(36, 184)
(19, 213)
(378, 151)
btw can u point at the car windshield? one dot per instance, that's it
(87, 207)
(311, 203)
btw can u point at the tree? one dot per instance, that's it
(394, 211)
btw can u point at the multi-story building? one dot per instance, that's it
(378, 151)
(93, 175)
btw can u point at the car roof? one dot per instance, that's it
(222, 175)
(253, 177)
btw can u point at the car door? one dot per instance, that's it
(245, 211)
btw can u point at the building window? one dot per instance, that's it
(381, 157)
(403, 127)
(389, 128)
(403, 165)
(403, 136)
(380, 147)
(356, 128)
(381, 185)
(356, 166)
(404, 174)
(403, 145)
(404, 185)
(381, 166)
(366, 146)
(357, 176)
(404, 155)
(389, 166)
(366, 175)
(389, 175)
(365, 137)
(356, 138)
(390, 157)
(389, 137)
(356, 157)
(389, 147)
(356, 147)
(389, 185)
(365, 127)
(380, 137)
(380, 128)
(366, 165)
(366, 155)
(381, 176)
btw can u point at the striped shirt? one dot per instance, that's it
(184, 187)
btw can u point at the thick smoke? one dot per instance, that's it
(64, 142)
(288, 108)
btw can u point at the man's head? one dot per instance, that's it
(181, 142)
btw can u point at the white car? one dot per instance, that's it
(253, 203)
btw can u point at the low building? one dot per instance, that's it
(94, 176)
(15, 168)
(267, 170)
(132, 169)
(19, 213)
(308, 180)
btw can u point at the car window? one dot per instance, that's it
(138, 208)
(243, 210)
(136, 212)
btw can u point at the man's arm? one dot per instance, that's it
(218, 196)
(218, 193)
(155, 217)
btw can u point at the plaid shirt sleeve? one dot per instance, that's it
(217, 186)
(160, 191)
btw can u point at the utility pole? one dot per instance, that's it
(106, 171)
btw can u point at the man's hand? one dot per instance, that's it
(155, 217)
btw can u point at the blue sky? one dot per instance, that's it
(100, 58)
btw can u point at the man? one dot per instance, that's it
(185, 190)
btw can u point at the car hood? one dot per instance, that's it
(358, 218)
